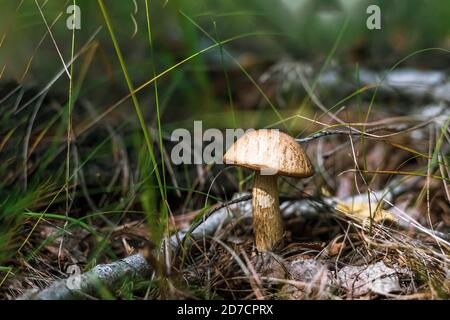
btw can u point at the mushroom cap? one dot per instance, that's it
(271, 152)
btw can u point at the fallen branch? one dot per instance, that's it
(397, 128)
(109, 276)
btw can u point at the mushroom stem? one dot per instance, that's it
(267, 223)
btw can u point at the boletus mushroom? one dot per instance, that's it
(270, 153)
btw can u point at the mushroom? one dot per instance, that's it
(270, 153)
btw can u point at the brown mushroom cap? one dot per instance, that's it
(270, 150)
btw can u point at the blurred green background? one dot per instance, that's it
(269, 30)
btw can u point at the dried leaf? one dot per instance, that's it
(315, 277)
(377, 278)
(362, 210)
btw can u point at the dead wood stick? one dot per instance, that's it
(109, 276)
(397, 128)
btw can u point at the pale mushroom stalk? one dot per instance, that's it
(267, 223)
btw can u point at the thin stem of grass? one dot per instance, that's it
(134, 98)
(158, 115)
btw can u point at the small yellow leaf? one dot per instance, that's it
(325, 192)
(362, 210)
